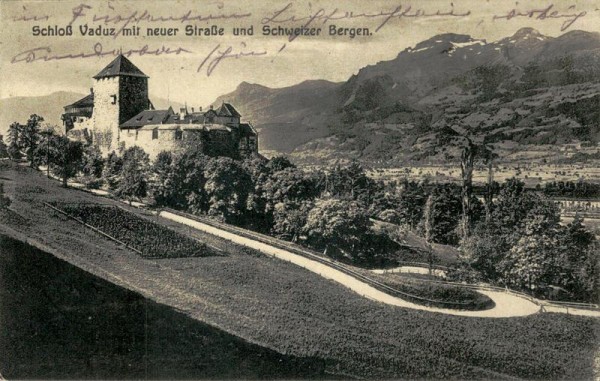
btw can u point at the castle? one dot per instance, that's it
(118, 114)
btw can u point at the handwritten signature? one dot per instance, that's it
(45, 53)
(216, 56)
(546, 13)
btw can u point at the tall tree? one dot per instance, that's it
(466, 170)
(134, 181)
(428, 216)
(29, 137)
(111, 172)
(227, 186)
(14, 148)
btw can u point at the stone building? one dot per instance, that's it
(118, 114)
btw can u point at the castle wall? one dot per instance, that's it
(82, 129)
(165, 141)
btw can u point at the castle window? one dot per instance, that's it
(178, 134)
(114, 99)
(155, 134)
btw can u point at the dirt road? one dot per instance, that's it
(506, 304)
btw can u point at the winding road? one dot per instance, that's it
(506, 304)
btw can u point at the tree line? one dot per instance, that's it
(512, 238)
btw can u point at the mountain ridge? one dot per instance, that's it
(523, 90)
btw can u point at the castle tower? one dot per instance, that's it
(120, 92)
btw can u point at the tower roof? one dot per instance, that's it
(228, 110)
(120, 66)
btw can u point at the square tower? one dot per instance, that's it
(120, 92)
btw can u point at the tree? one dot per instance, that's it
(289, 219)
(62, 156)
(279, 163)
(350, 182)
(513, 204)
(483, 252)
(588, 287)
(276, 182)
(162, 184)
(577, 260)
(528, 263)
(3, 149)
(111, 173)
(29, 137)
(466, 170)
(134, 181)
(93, 163)
(14, 149)
(227, 187)
(411, 204)
(337, 224)
(443, 217)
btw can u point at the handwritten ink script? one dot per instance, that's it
(215, 23)
(550, 12)
(287, 14)
(45, 53)
(216, 56)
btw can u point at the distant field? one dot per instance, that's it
(291, 311)
(532, 174)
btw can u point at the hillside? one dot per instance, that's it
(526, 92)
(18, 109)
(286, 117)
(297, 317)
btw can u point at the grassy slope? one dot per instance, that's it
(59, 322)
(292, 311)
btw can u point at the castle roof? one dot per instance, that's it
(169, 117)
(120, 66)
(148, 117)
(186, 127)
(87, 101)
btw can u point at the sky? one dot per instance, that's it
(198, 69)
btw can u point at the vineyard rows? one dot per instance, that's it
(151, 239)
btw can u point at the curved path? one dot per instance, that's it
(507, 305)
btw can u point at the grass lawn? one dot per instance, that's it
(288, 310)
(439, 294)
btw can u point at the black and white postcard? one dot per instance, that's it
(310, 189)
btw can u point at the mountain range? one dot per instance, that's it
(524, 93)
(527, 97)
